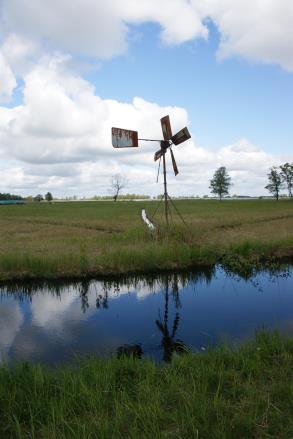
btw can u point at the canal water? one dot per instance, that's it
(52, 323)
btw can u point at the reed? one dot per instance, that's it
(245, 393)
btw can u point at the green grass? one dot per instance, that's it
(247, 393)
(97, 238)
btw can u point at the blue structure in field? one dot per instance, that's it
(11, 202)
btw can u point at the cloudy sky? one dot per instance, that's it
(70, 70)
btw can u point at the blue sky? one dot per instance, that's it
(68, 72)
(225, 99)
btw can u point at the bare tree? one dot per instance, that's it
(118, 182)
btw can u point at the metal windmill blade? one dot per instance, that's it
(176, 172)
(166, 127)
(159, 167)
(167, 134)
(181, 136)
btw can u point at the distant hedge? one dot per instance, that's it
(10, 197)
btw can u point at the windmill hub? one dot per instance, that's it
(165, 144)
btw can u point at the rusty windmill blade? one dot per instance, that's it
(181, 136)
(158, 154)
(159, 167)
(166, 127)
(176, 172)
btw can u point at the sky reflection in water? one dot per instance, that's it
(54, 322)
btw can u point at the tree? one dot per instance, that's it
(221, 182)
(38, 198)
(275, 182)
(118, 182)
(49, 197)
(287, 176)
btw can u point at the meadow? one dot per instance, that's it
(245, 393)
(223, 393)
(73, 239)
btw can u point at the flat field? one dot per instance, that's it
(102, 237)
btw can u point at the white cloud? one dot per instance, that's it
(90, 27)
(255, 29)
(53, 312)
(49, 310)
(60, 140)
(11, 319)
(258, 30)
(98, 28)
(62, 120)
(180, 20)
(246, 163)
(141, 290)
(7, 80)
(20, 53)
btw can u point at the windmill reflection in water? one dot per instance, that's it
(169, 342)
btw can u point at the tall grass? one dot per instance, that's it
(80, 239)
(247, 393)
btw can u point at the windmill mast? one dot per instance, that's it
(165, 188)
(167, 134)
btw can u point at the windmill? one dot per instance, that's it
(122, 138)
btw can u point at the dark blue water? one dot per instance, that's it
(53, 323)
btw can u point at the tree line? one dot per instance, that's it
(39, 197)
(48, 197)
(279, 177)
(10, 197)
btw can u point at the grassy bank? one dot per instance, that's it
(247, 393)
(97, 238)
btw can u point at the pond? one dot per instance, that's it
(52, 323)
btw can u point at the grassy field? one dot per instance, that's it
(98, 238)
(247, 393)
